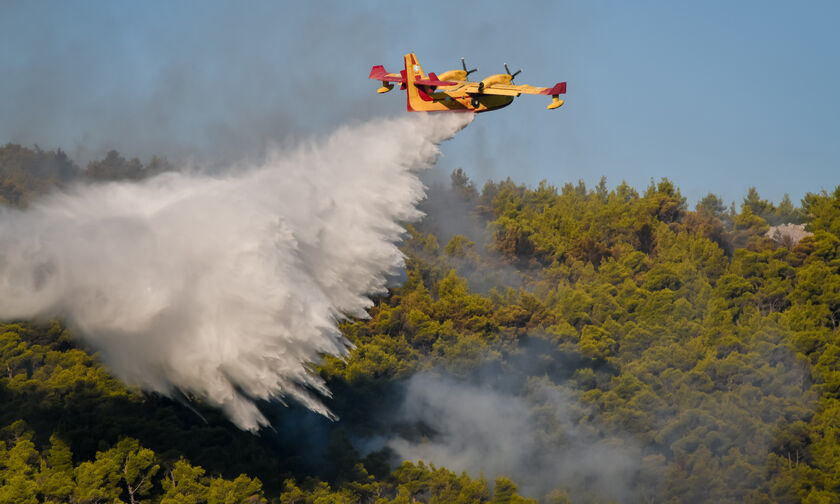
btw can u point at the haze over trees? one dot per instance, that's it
(704, 352)
(28, 173)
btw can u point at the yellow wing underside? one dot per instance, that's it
(494, 89)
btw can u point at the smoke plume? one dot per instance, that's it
(539, 440)
(226, 287)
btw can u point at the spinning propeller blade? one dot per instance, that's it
(512, 75)
(464, 64)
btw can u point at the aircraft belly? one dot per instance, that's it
(450, 101)
(493, 102)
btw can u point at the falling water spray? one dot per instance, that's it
(226, 288)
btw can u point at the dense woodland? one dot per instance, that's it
(711, 348)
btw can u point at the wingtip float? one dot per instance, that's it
(451, 91)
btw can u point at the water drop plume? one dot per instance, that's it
(226, 287)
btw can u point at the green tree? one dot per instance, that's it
(184, 484)
(824, 211)
(98, 481)
(242, 490)
(115, 167)
(138, 467)
(56, 476)
(18, 470)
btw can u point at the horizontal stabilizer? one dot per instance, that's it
(378, 73)
(433, 81)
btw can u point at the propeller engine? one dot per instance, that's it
(457, 75)
(512, 75)
(464, 65)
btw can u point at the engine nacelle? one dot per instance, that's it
(498, 79)
(453, 75)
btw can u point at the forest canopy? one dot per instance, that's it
(695, 342)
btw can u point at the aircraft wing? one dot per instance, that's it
(378, 73)
(493, 89)
(515, 90)
(558, 89)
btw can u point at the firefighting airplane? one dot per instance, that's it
(451, 91)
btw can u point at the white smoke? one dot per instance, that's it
(539, 441)
(226, 287)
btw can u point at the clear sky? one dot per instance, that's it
(716, 95)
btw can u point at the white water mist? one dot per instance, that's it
(226, 287)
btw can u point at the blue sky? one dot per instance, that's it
(716, 95)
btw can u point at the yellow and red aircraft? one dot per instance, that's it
(451, 91)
